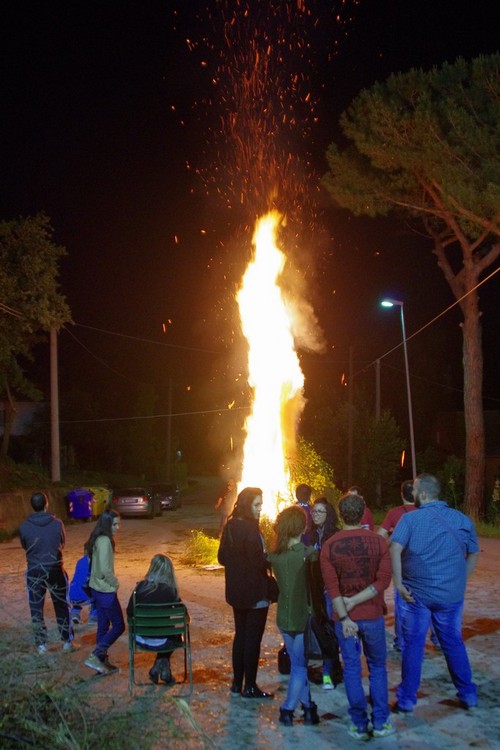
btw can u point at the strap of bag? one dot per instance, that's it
(450, 529)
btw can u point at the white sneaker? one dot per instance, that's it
(94, 662)
(42, 648)
(69, 647)
(385, 730)
(358, 734)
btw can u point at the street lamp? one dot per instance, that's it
(398, 303)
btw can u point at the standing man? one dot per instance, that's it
(42, 536)
(386, 528)
(225, 504)
(303, 496)
(433, 552)
(356, 569)
(367, 520)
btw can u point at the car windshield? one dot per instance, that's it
(132, 492)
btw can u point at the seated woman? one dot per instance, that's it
(158, 587)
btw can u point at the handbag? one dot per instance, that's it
(312, 645)
(86, 587)
(284, 664)
(272, 588)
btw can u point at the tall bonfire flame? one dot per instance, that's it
(274, 372)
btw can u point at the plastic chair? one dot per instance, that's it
(159, 621)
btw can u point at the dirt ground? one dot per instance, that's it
(217, 720)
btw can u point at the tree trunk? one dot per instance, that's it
(473, 407)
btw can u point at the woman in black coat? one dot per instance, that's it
(242, 554)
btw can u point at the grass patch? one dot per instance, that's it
(200, 549)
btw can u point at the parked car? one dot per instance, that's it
(169, 495)
(136, 501)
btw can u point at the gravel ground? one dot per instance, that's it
(216, 720)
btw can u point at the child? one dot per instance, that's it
(77, 596)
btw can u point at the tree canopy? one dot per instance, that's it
(30, 302)
(426, 147)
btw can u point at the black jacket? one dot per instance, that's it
(241, 551)
(42, 536)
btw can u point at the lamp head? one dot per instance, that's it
(391, 303)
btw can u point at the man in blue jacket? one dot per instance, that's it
(42, 535)
(433, 550)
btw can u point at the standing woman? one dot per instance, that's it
(100, 548)
(325, 523)
(289, 561)
(241, 552)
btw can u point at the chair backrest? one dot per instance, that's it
(158, 620)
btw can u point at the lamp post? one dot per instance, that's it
(398, 303)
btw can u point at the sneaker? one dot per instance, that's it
(358, 734)
(384, 731)
(69, 647)
(42, 648)
(327, 682)
(110, 668)
(94, 662)
(397, 709)
(76, 620)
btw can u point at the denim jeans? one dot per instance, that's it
(110, 623)
(398, 627)
(298, 683)
(370, 640)
(447, 622)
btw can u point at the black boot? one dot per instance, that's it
(165, 673)
(286, 717)
(311, 714)
(154, 673)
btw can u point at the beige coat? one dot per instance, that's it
(102, 577)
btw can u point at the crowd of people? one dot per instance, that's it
(331, 573)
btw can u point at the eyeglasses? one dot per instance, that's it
(318, 513)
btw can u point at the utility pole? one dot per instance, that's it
(55, 457)
(350, 423)
(169, 430)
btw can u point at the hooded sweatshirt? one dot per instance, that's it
(42, 536)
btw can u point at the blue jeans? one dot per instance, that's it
(110, 623)
(398, 627)
(371, 636)
(446, 620)
(298, 683)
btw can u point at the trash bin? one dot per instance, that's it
(80, 503)
(102, 496)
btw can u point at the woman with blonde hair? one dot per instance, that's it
(159, 586)
(288, 561)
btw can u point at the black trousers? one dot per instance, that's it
(249, 625)
(54, 580)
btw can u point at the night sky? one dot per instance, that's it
(115, 126)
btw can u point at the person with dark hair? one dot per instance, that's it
(100, 548)
(288, 561)
(158, 587)
(325, 524)
(357, 569)
(241, 552)
(43, 537)
(367, 518)
(77, 595)
(433, 552)
(303, 496)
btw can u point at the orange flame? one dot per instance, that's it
(273, 371)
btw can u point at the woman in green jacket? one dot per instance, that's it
(289, 565)
(100, 547)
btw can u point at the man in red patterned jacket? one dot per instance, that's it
(356, 569)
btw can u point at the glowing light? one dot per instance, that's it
(274, 371)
